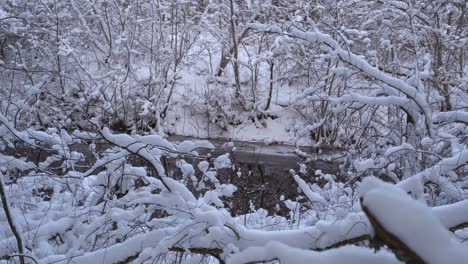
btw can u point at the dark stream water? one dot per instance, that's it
(264, 169)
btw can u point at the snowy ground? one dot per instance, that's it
(278, 130)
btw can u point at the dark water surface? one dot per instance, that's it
(263, 169)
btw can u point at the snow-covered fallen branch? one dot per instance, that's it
(286, 254)
(408, 227)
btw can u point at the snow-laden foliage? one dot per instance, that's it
(382, 83)
(116, 212)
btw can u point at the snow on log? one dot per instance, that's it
(285, 254)
(408, 227)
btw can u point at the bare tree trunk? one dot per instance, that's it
(175, 42)
(235, 48)
(6, 208)
(57, 56)
(226, 57)
(270, 93)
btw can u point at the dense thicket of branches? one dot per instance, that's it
(386, 81)
(108, 59)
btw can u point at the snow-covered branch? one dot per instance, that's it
(458, 116)
(358, 62)
(408, 227)
(436, 174)
(286, 254)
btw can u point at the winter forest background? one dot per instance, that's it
(121, 121)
